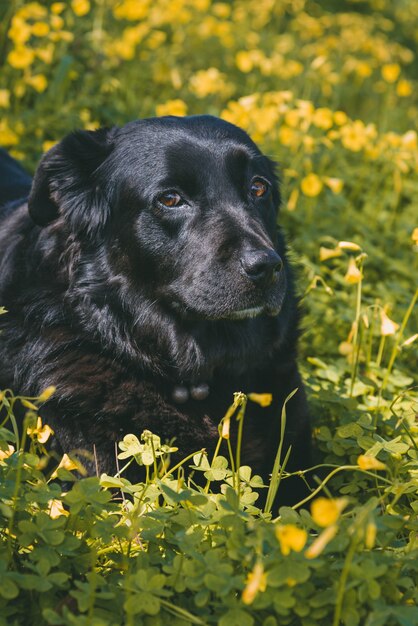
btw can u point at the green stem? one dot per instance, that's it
(343, 581)
(398, 339)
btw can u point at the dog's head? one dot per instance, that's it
(185, 209)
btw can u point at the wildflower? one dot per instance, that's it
(311, 185)
(80, 7)
(66, 463)
(4, 454)
(329, 253)
(57, 7)
(172, 107)
(7, 136)
(291, 538)
(226, 423)
(56, 508)
(409, 140)
(390, 72)
(404, 88)
(39, 432)
(47, 145)
(132, 10)
(325, 512)
(256, 582)
(340, 118)
(366, 462)
(320, 543)
(47, 393)
(354, 136)
(335, 184)
(4, 98)
(349, 245)
(353, 274)
(38, 82)
(263, 399)
(40, 29)
(244, 61)
(21, 57)
(323, 118)
(387, 326)
(370, 535)
(207, 82)
(293, 200)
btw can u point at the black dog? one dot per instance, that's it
(146, 279)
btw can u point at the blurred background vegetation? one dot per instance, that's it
(328, 89)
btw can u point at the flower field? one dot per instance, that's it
(329, 90)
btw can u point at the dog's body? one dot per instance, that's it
(149, 266)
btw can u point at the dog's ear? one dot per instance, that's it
(67, 184)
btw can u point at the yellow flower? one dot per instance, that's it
(256, 582)
(47, 145)
(172, 107)
(323, 118)
(354, 136)
(349, 245)
(325, 512)
(207, 82)
(80, 7)
(329, 253)
(21, 57)
(311, 185)
(321, 542)
(244, 61)
(39, 432)
(370, 535)
(263, 399)
(353, 274)
(57, 7)
(409, 140)
(366, 462)
(4, 454)
(46, 54)
(226, 423)
(56, 508)
(404, 88)
(340, 118)
(47, 393)
(390, 72)
(335, 184)
(287, 135)
(414, 236)
(38, 82)
(4, 98)
(20, 31)
(40, 29)
(7, 136)
(387, 326)
(131, 10)
(66, 463)
(291, 538)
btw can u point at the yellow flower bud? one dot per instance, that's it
(366, 462)
(263, 399)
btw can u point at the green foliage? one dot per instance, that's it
(169, 551)
(328, 89)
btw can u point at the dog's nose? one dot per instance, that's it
(261, 266)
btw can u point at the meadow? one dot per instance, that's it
(329, 90)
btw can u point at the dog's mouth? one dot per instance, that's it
(234, 315)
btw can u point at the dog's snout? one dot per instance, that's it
(261, 266)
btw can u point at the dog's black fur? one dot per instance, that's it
(116, 297)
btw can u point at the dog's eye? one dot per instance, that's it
(170, 199)
(259, 188)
